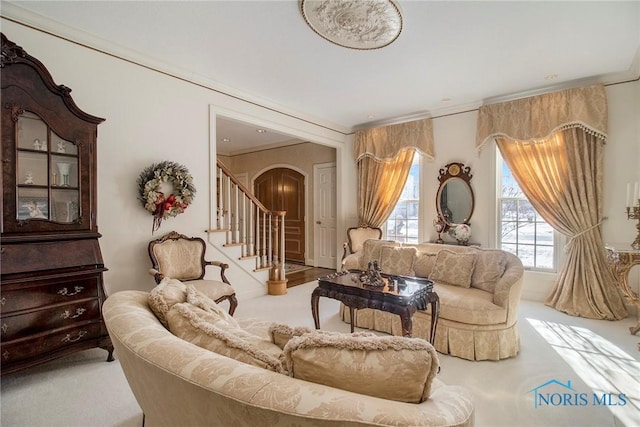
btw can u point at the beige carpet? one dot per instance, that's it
(595, 356)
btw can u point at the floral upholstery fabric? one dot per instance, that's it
(394, 260)
(357, 237)
(489, 268)
(423, 264)
(477, 322)
(394, 368)
(165, 295)
(453, 268)
(371, 250)
(214, 289)
(213, 332)
(177, 383)
(180, 258)
(280, 334)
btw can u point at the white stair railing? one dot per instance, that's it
(248, 223)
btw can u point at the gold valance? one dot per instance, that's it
(539, 116)
(384, 143)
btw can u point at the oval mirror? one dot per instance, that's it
(454, 199)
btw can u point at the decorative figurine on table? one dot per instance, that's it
(372, 276)
(439, 224)
(36, 144)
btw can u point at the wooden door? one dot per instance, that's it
(282, 189)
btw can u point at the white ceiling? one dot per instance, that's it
(263, 51)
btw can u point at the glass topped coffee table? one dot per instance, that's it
(401, 295)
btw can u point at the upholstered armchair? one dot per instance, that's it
(180, 257)
(352, 248)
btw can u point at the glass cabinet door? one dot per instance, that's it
(47, 175)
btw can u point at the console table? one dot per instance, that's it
(621, 259)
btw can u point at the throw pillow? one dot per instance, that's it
(162, 297)
(453, 268)
(371, 250)
(281, 333)
(397, 260)
(423, 264)
(388, 367)
(214, 333)
(489, 268)
(201, 300)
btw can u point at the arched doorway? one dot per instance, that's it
(282, 189)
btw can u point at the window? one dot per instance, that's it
(402, 224)
(521, 230)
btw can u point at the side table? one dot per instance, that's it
(622, 258)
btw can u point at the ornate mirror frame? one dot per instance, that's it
(455, 176)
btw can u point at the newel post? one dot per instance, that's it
(277, 283)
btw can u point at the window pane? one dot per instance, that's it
(544, 234)
(523, 231)
(544, 257)
(412, 229)
(509, 232)
(403, 224)
(526, 254)
(527, 233)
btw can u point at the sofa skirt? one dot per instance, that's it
(471, 342)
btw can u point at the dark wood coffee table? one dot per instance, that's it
(409, 295)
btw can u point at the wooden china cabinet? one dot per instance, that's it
(50, 261)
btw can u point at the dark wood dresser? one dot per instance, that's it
(50, 261)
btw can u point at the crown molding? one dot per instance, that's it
(21, 16)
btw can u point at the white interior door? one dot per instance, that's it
(324, 206)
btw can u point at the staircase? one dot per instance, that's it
(246, 231)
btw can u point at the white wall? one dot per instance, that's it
(150, 117)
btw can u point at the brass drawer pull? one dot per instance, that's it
(67, 314)
(6, 355)
(68, 338)
(3, 301)
(76, 290)
(5, 327)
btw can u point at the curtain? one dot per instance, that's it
(553, 145)
(384, 156)
(381, 185)
(561, 176)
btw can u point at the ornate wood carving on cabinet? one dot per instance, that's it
(51, 264)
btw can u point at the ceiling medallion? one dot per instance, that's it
(356, 24)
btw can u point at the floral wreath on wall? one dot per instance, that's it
(164, 178)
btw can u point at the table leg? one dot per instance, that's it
(406, 319)
(315, 298)
(351, 317)
(435, 313)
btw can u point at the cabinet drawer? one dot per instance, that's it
(48, 343)
(22, 325)
(41, 294)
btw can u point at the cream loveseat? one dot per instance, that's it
(177, 383)
(479, 291)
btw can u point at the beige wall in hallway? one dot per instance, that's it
(300, 157)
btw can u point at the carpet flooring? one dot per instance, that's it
(599, 359)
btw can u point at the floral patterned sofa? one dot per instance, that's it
(479, 292)
(177, 382)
